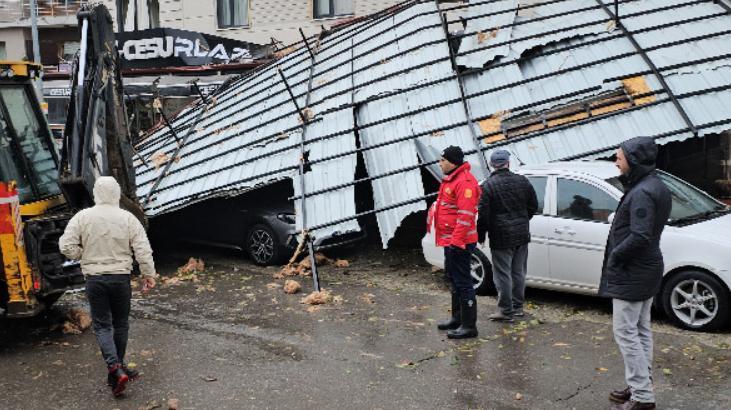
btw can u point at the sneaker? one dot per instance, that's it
(501, 317)
(634, 405)
(620, 396)
(131, 373)
(118, 380)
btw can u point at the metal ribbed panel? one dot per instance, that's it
(369, 80)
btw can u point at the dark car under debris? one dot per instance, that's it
(260, 223)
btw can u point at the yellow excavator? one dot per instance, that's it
(32, 208)
(41, 186)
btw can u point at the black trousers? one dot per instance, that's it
(109, 298)
(457, 268)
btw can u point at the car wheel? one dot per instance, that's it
(262, 245)
(696, 300)
(481, 272)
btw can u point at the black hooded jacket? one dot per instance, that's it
(633, 264)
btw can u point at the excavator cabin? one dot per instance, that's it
(33, 211)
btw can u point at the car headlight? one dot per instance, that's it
(286, 218)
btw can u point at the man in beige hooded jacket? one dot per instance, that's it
(106, 239)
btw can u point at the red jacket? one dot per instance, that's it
(455, 209)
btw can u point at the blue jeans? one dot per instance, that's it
(109, 299)
(457, 268)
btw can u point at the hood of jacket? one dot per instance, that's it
(641, 153)
(106, 191)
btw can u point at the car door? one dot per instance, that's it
(539, 228)
(578, 232)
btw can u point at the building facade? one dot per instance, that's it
(256, 21)
(57, 32)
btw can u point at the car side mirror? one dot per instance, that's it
(610, 218)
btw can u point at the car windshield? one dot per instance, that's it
(689, 203)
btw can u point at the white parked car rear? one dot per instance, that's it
(577, 201)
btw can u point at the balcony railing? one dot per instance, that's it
(15, 10)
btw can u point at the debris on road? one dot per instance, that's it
(189, 271)
(204, 288)
(78, 321)
(288, 270)
(318, 298)
(173, 404)
(273, 285)
(193, 266)
(368, 298)
(304, 267)
(291, 287)
(150, 406)
(322, 260)
(342, 263)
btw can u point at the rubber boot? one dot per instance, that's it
(118, 379)
(456, 319)
(468, 327)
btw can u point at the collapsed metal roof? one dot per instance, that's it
(547, 80)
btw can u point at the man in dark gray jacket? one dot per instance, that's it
(633, 267)
(507, 204)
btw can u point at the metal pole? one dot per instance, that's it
(136, 11)
(36, 46)
(120, 16)
(304, 38)
(149, 14)
(465, 105)
(303, 193)
(198, 90)
(172, 130)
(643, 53)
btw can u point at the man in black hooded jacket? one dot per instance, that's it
(633, 267)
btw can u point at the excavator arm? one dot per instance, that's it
(96, 138)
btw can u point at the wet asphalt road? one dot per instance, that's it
(230, 342)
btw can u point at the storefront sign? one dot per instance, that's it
(166, 47)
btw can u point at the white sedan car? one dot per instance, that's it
(577, 201)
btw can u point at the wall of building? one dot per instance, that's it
(14, 39)
(280, 19)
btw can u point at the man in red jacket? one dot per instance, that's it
(454, 221)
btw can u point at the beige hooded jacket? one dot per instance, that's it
(105, 238)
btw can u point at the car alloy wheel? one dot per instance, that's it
(481, 273)
(261, 246)
(694, 302)
(477, 271)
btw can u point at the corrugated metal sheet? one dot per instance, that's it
(366, 78)
(334, 205)
(663, 118)
(487, 24)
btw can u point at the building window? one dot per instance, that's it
(332, 8)
(3, 52)
(139, 14)
(232, 13)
